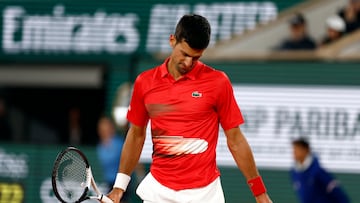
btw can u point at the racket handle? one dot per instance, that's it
(104, 199)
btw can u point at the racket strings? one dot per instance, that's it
(71, 176)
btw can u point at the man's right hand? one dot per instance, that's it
(115, 195)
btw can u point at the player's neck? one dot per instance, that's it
(172, 71)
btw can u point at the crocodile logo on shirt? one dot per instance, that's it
(196, 94)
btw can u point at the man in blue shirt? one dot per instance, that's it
(109, 150)
(312, 183)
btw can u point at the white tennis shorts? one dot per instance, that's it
(151, 191)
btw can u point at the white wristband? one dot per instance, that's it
(122, 181)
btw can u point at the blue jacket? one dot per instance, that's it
(315, 185)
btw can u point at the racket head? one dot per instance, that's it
(70, 176)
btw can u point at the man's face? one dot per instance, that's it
(333, 34)
(183, 58)
(105, 130)
(299, 153)
(297, 31)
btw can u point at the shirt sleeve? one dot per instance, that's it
(227, 107)
(332, 187)
(137, 113)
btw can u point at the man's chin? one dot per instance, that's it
(182, 70)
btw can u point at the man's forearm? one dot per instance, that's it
(130, 155)
(131, 151)
(242, 153)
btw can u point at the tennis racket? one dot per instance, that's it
(72, 178)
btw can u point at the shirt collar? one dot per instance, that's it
(191, 75)
(305, 165)
(163, 69)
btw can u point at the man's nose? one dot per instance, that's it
(188, 61)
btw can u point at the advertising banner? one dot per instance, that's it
(119, 27)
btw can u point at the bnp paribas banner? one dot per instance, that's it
(119, 27)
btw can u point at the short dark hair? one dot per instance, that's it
(302, 142)
(297, 19)
(194, 30)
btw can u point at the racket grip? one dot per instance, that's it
(104, 199)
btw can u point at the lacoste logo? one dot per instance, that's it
(196, 94)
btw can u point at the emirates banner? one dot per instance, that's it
(119, 27)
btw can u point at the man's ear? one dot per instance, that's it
(172, 41)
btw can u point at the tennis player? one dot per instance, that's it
(186, 101)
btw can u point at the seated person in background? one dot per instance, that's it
(335, 26)
(351, 15)
(299, 39)
(311, 182)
